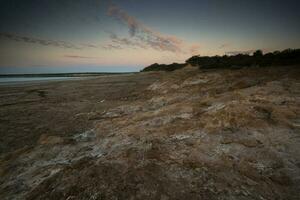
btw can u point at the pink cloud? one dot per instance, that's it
(79, 57)
(144, 37)
(131, 22)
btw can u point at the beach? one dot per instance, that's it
(186, 134)
(60, 107)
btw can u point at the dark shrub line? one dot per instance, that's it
(286, 57)
(163, 67)
(276, 58)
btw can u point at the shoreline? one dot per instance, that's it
(76, 74)
(42, 80)
(47, 78)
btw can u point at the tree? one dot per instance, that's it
(258, 53)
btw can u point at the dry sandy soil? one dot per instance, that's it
(187, 134)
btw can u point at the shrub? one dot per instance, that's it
(163, 67)
(286, 57)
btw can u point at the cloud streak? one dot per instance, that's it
(46, 42)
(121, 15)
(144, 37)
(79, 57)
(112, 47)
(133, 42)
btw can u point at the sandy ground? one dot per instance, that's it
(60, 108)
(187, 134)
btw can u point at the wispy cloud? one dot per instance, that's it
(129, 42)
(131, 22)
(143, 36)
(79, 57)
(112, 47)
(46, 42)
(90, 45)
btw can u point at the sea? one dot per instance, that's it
(19, 79)
(24, 80)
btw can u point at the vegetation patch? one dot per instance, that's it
(164, 67)
(257, 59)
(276, 58)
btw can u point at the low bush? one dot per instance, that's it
(286, 57)
(163, 67)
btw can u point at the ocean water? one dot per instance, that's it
(21, 80)
(55, 70)
(50, 70)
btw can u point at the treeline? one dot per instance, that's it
(285, 57)
(276, 58)
(164, 67)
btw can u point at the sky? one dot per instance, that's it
(127, 35)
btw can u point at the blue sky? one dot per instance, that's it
(104, 35)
